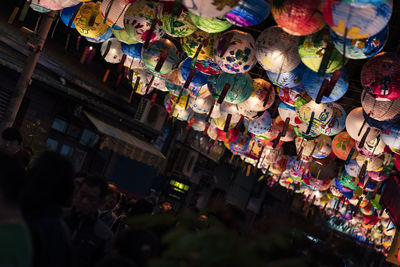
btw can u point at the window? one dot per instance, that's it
(51, 144)
(88, 138)
(60, 125)
(66, 151)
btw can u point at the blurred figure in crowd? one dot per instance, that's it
(15, 239)
(49, 189)
(91, 238)
(11, 140)
(111, 200)
(134, 208)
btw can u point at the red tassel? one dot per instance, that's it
(190, 123)
(84, 55)
(153, 98)
(92, 52)
(78, 42)
(206, 128)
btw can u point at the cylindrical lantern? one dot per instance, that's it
(210, 25)
(89, 22)
(360, 22)
(234, 52)
(114, 11)
(178, 25)
(276, 50)
(239, 90)
(361, 48)
(258, 100)
(380, 76)
(111, 51)
(356, 126)
(337, 122)
(379, 110)
(342, 145)
(138, 20)
(162, 49)
(249, 12)
(210, 8)
(298, 17)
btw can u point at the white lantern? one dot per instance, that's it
(356, 126)
(111, 51)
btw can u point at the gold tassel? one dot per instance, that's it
(248, 170)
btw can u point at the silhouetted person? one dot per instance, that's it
(91, 238)
(11, 140)
(15, 239)
(106, 212)
(49, 189)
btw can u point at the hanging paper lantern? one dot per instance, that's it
(42, 5)
(291, 79)
(322, 113)
(391, 137)
(220, 123)
(138, 20)
(379, 110)
(382, 125)
(124, 37)
(190, 44)
(374, 164)
(378, 176)
(302, 130)
(202, 92)
(360, 22)
(324, 147)
(361, 48)
(212, 132)
(177, 26)
(289, 95)
(257, 101)
(241, 87)
(228, 108)
(357, 127)
(363, 3)
(334, 190)
(352, 168)
(271, 155)
(342, 145)
(249, 12)
(276, 50)
(279, 124)
(298, 17)
(201, 105)
(114, 12)
(159, 83)
(133, 50)
(142, 83)
(239, 146)
(312, 49)
(261, 124)
(233, 135)
(154, 53)
(234, 52)
(287, 111)
(89, 22)
(199, 79)
(107, 35)
(68, 13)
(65, 3)
(199, 123)
(210, 25)
(210, 8)
(348, 181)
(181, 105)
(372, 148)
(111, 51)
(208, 67)
(380, 76)
(313, 82)
(337, 122)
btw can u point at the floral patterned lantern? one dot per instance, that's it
(190, 44)
(380, 76)
(291, 79)
(343, 145)
(337, 122)
(114, 11)
(210, 25)
(249, 13)
(138, 19)
(201, 105)
(276, 50)
(240, 87)
(379, 110)
(357, 127)
(360, 22)
(361, 48)
(153, 54)
(177, 26)
(257, 101)
(210, 8)
(234, 52)
(87, 13)
(114, 53)
(391, 137)
(298, 17)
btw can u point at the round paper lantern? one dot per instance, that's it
(302, 130)
(352, 168)
(115, 11)
(278, 124)
(357, 127)
(220, 123)
(322, 113)
(271, 155)
(47, 4)
(261, 124)
(313, 82)
(378, 176)
(257, 101)
(291, 79)
(379, 110)
(142, 83)
(133, 50)
(391, 137)
(249, 12)
(210, 25)
(276, 50)
(233, 135)
(289, 95)
(348, 181)
(190, 44)
(382, 125)
(239, 56)
(228, 108)
(201, 105)
(363, 3)
(361, 22)
(210, 8)
(312, 49)
(176, 26)
(199, 123)
(159, 83)
(107, 35)
(241, 87)
(239, 146)
(380, 76)
(181, 105)
(138, 19)
(68, 13)
(342, 145)
(361, 48)
(89, 22)
(199, 79)
(152, 55)
(298, 17)
(212, 132)
(373, 164)
(208, 67)
(324, 147)
(337, 122)
(372, 148)
(202, 92)
(124, 37)
(65, 3)
(287, 111)
(114, 53)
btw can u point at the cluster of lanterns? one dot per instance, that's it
(303, 57)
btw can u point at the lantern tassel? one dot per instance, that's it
(106, 74)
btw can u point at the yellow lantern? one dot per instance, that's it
(89, 22)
